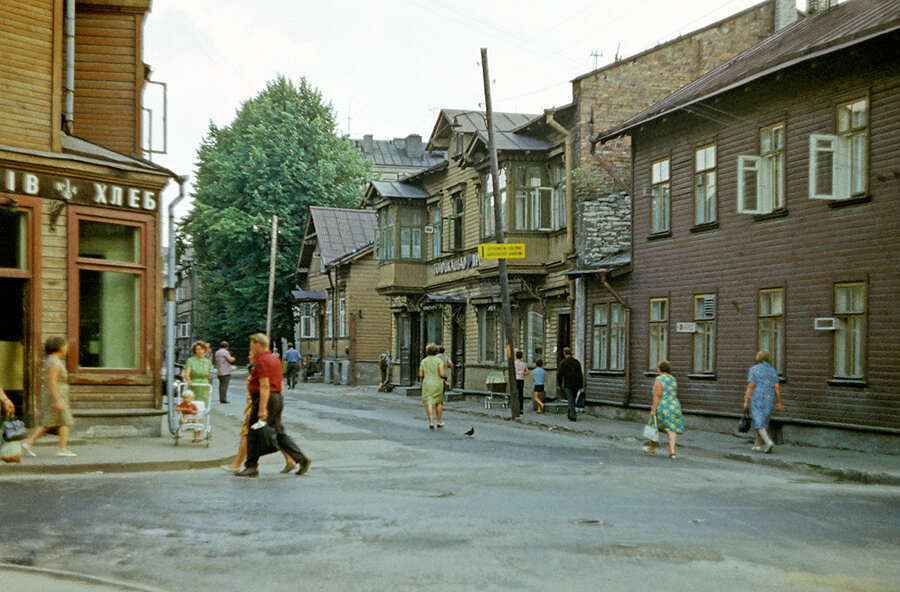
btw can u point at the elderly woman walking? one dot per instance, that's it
(763, 396)
(55, 412)
(431, 371)
(665, 409)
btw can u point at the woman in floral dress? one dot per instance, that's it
(665, 408)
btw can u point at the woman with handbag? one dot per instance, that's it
(432, 373)
(763, 395)
(665, 410)
(54, 398)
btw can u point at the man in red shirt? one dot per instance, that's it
(265, 391)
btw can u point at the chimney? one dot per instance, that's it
(814, 6)
(368, 144)
(414, 146)
(785, 13)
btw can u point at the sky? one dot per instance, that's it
(388, 66)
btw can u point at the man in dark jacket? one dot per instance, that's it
(570, 379)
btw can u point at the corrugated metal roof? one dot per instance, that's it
(472, 121)
(844, 25)
(395, 153)
(511, 142)
(342, 232)
(398, 189)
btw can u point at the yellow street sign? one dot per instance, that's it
(504, 251)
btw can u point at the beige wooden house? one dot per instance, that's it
(79, 213)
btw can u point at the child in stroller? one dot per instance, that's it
(192, 412)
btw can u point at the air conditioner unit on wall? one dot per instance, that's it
(685, 327)
(827, 324)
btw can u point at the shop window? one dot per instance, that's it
(838, 163)
(110, 274)
(705, 334)
(534, 334)
(850, 335)
(659, 196)
(659, 332)
(705, 185)
(609, 337)
(13, 248)
(760, 187)
(488, 335)
(771, 325)
(410, 233)
(434, 327)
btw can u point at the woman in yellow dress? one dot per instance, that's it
(432, 373)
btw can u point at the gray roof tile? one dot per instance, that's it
(342, 232)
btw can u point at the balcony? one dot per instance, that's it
(541, 250)
(401, 277)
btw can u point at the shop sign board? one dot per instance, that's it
(77, 191)
(470, 261)
(502, 251)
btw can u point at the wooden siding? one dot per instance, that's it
(27, 73)
(805, 252)
(370, 310)
(108, 79)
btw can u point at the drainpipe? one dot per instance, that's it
(603, 274)
(570, 192)
(170, 306)
(69, 109)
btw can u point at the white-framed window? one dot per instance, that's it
(760, 187)
(659, 196)
(705, 185)
(308, 320)
(704, 358)
(850, 336)
(487, 202)
(488, 334)
(659, 332)
(384, 235)
(771, 325)
(531, 200)
(179, 294)
(329, 317)
(410, 233)
(458, 230)
(342, 317)
(609, 337)
(184, 330)
(437, 234)
(534, 333)
(838, 163)
(558, 197)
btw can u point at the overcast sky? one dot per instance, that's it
(387, 66)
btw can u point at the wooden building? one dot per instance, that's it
(765, 219)
(79, 212)
(342, 320)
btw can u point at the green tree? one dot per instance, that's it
(280, 155)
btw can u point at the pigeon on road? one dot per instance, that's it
(471, 432)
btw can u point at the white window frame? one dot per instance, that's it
(705, 169)
(488, 228)
(483, 335)
(771, 327)
(660, 195)
(437, 221)
(342, 317)
(658, 332)
(542, 201)
(838, 148)
(558, 200)
(608, 337)
(329, 317)
(308, 321)
(850, 337)
(703, 351)
(410, 233)
(761, 178)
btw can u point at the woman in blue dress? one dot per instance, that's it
(762, 397)
(665, 409)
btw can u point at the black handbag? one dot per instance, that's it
(746, 422)
(13, 429)
(263, 441)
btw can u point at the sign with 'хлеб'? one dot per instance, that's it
(502, 251)
(77, 190)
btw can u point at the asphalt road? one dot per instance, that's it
(391, 505)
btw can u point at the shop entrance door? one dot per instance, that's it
(408, 328)
(458, 348)
(15, 283)
(563, 335)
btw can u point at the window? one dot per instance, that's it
(659, 332)
(531, 201)
(329, 317)
(534, 333)
(179, 294)
(850, 336)
(434, 327)
(705, 185)
(609, 337)
(771, 325)
(308, 321)
(410, 233)
(705, 336)
(384, 235)
(437, 222)
(458, 220)
(558, 200)
(460, 141)
(13, 249)
(342, 318)
(659, 196)
(110, 273)
(487, 203)
(761, 178)
(838, 164)
(488, 335)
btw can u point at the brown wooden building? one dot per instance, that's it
(765, 218)
(343, 321)
(79, 212)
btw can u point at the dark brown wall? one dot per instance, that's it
(805, 252)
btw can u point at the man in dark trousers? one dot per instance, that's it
(570, 378)
(265, 391)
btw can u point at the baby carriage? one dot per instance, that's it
(193, 421)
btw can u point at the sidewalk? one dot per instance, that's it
(120, 455)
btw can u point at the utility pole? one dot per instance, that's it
(514, 407)
(273, 247)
